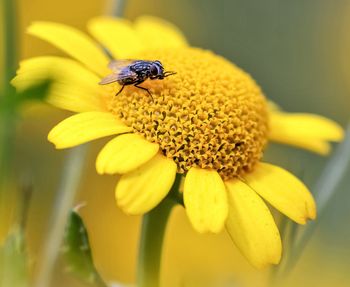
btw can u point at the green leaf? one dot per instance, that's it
(77, 252)
(13, 261)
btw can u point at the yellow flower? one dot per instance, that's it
(209, 122)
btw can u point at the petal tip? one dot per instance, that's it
(99, 165)
(102, 169)
(29, 29)
(339, 134)
(52, 138)
(13, 81)
(263, 263)
(312, 214)
(57, 145)
(32, 29)
(326, 151)
(203, 229)
(309, 215)
(99, 169)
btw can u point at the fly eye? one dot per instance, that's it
(154, 71)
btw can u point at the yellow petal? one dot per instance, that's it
(311, 144)
(273, 107)
(205, 200)
(124, 154)
(158, 33)
(139, 191)
(251, 225)
(283, 191)
(304, 130)
(85, 127)
(74, 88)
(117, 35)
(73, 42)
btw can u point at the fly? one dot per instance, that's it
(135, 72)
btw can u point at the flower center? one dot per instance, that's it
(210, 114)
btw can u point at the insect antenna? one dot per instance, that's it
(168, 73)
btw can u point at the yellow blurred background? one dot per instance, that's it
(296, 50)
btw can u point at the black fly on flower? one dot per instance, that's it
(135, 72)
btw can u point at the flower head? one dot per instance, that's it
(209, 122)
(211, 115)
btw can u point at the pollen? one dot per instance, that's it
(211, 114)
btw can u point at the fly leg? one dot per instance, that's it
(120, 90)
(142, 88)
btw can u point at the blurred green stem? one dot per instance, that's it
(9, 44)
(72, 172)
(7, 112)
(116, 7)
(152, 237)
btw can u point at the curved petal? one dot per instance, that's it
(205, 200)
(73, 42)
(74, 88)
(251, 225)
(124, 154)
(158, 33)
(311, 144)
(85, 127)
(283, 191)
(304, 130)
(117, 35)
(139, 191)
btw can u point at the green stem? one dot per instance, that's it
(7, 111)
(72, 173)
(152, 237)
(9, 44)
(116, 7)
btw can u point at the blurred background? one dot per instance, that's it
(298, 51)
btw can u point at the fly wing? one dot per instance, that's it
(120, 70)
(109, 79)
(121, 76)
(118, 65)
